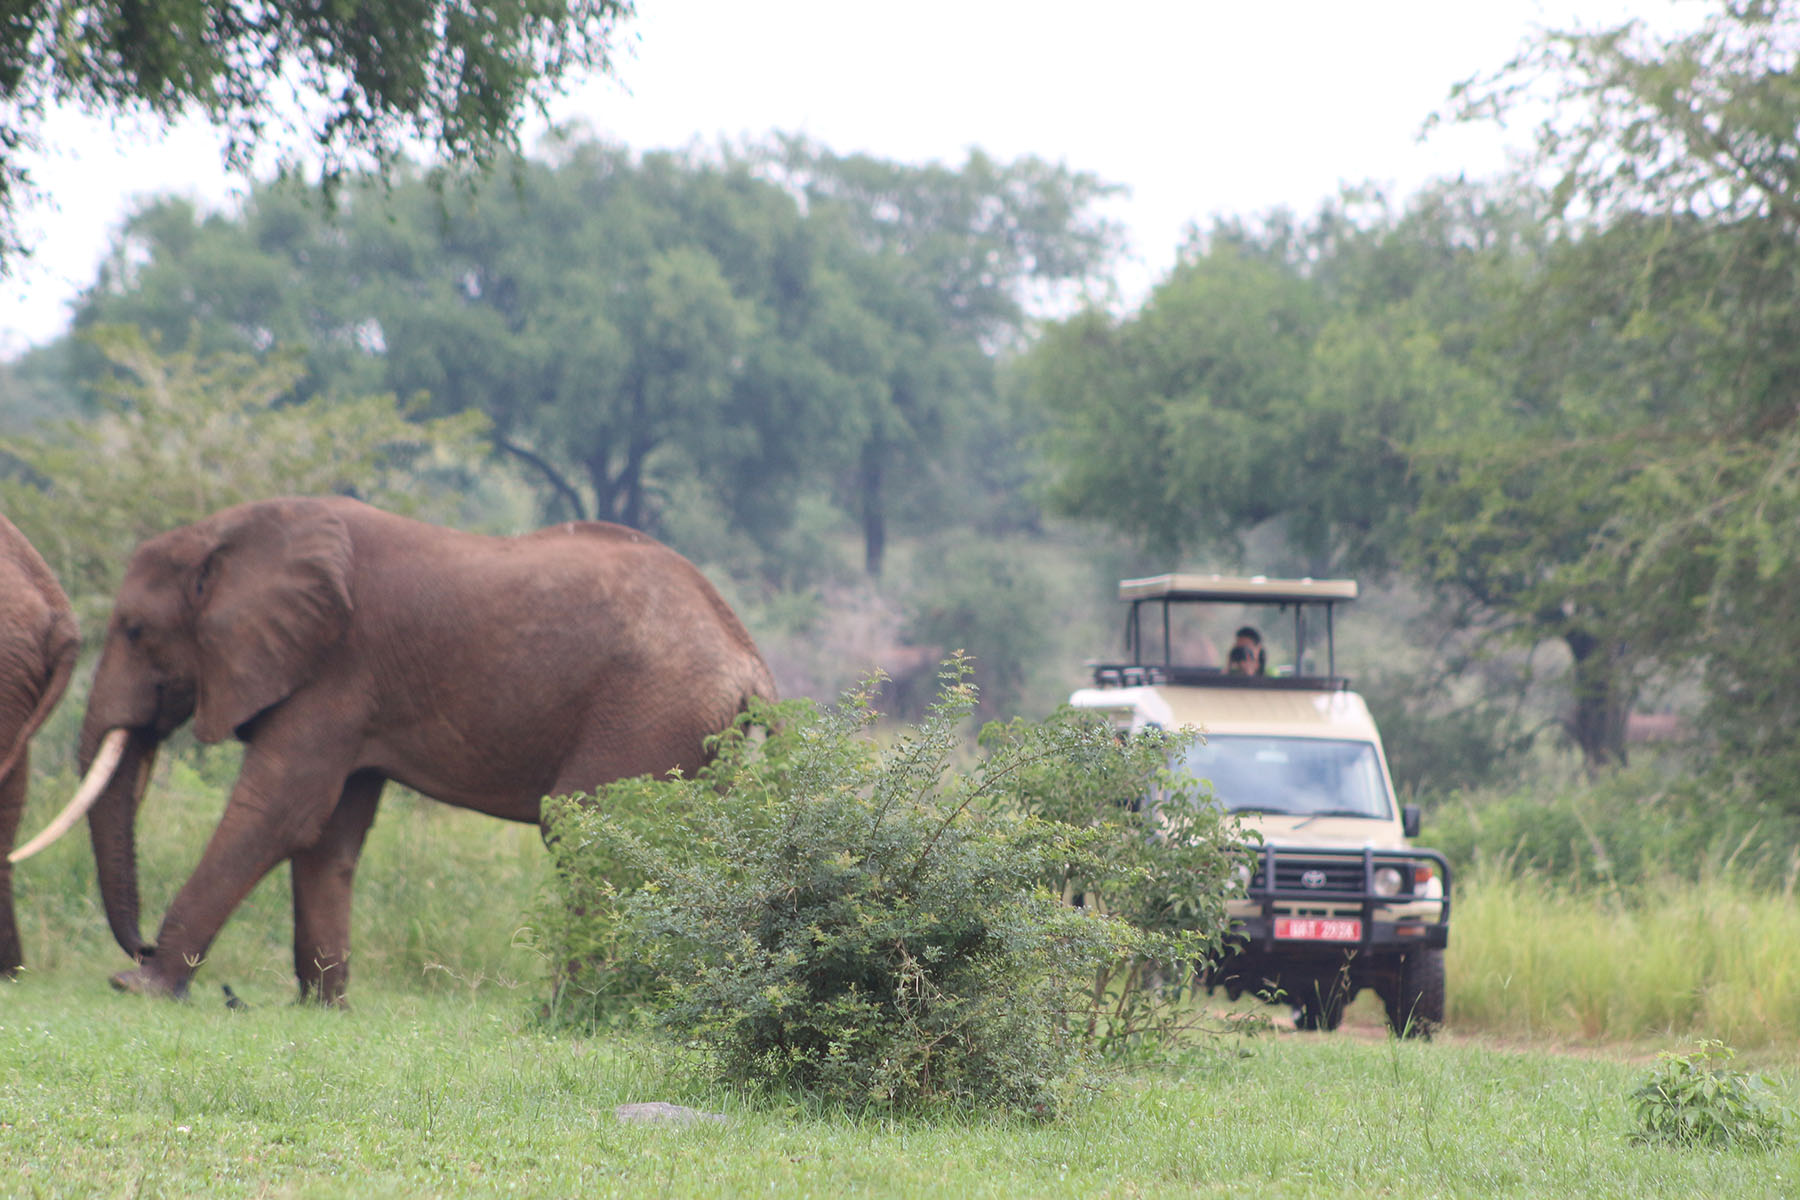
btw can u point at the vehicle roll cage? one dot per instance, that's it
(1167, 590)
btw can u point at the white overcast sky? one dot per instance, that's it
(1200, 107)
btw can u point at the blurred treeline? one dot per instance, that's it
(1549, 420)
(787, 363)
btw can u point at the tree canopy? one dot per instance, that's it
(1675, 326)
(746, 328)
(355, 81)
(179, 436)
(1557, 410)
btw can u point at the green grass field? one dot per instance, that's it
(418, 1093)
(441, 1082)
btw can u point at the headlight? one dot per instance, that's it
(1240, 877)
(1387, 881)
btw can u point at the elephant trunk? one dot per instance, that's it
(112, 823)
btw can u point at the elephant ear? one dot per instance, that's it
(270, 601)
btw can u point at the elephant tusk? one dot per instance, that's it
(112, 747)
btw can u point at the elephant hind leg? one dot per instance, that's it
(322, 875)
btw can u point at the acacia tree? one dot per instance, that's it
(632, 325)
(619, 320)
(356, 81)
(1356, 379)
(1583, 424)
(1281, 372)
(1168, 424)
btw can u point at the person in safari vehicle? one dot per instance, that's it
(1250, 642)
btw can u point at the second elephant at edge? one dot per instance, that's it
(38, 646)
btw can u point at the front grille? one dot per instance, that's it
(1339, 875)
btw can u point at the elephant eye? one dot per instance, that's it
(134, 630)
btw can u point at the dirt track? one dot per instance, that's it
(1365, 1022)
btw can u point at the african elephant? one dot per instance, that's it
(346, 646)
(38, 644)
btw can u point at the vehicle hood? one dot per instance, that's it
(1333, 832)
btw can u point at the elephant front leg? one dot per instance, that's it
(235, 861)
(284, 798)
(323, 874)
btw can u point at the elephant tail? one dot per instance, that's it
(758, 687)
(62, 642)
(762, 686)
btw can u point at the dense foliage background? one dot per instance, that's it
(1547, 420)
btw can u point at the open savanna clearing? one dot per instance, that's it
(420, 1092)
(441, 1082)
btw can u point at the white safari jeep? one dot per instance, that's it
(1340, 900)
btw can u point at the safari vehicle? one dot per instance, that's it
(1339, 899)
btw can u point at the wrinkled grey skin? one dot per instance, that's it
(38, 645)
(346, 646)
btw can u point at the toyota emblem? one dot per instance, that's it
(1313, 879)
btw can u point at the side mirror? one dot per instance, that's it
(1409, 820)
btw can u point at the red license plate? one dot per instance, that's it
(1319, 929)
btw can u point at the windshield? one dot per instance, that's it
(1305, 777)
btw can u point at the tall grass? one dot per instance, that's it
(440, 893)
(1638, 905)
(1715, 957)
(1536, 951)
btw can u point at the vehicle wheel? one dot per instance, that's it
(1320, 1005)
(1415, 1005)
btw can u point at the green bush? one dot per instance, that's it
(869, 925)
(1694, 1100)
(1159, 855)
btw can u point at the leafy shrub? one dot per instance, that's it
(1160, 856)
(183, 436)
(868, 925)
(1693, 1100)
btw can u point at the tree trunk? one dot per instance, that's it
(631, 483)
(568, 500)
(874, 510)
(1602, 700)
(606, 489)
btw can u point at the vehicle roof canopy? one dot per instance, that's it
(1254, 589)
(1178, 588)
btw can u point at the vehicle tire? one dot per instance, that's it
(1320, 1005)
(1415, 1005)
